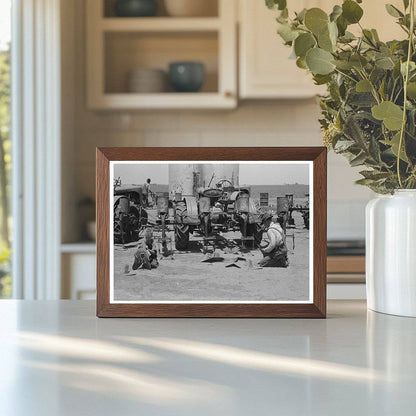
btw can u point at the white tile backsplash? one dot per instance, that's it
(258, 123)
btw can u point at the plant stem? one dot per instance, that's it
(406, 80)
(345, 75)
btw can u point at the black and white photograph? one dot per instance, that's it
(211, 232)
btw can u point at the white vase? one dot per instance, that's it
(391, 253)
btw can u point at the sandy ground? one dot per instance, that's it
(183, 277)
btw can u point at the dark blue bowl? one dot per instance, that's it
(136, 8)
(186, 76)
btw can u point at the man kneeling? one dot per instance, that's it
(274, 249)
(145, 258)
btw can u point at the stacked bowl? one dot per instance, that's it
(147, 80)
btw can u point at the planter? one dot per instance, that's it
(391, 253)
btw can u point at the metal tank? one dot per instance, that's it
(181, 180)
(186, 178)
(211, 174)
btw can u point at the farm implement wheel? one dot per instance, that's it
(181, 230)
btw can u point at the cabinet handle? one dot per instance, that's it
(228, 94)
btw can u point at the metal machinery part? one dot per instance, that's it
(162, 205)
(129, 214)
(206, 198)
(282, 210)
(303, 209)
(213, 210)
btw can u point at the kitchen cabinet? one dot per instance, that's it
(118, 45)
(265, 70)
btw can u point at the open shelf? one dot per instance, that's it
(160, 24)
(80, 247)
(211, 9)
(116, 46)
(130, 101)
(127, 51)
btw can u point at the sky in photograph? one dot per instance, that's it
(250, 174)
(5, 21)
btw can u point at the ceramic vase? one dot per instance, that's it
(391, 253)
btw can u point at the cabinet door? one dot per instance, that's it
(265, 68)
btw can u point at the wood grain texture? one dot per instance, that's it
(346, 264)
(317, 309)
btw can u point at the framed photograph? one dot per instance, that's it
(211, 232)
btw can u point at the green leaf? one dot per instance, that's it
(411, 90)
(325, 43)
(393, 11)
(358, 160)
(358, 61)
(316, 20)
(342, 25)
(412, 67)
(286, 32)
(276, 4)
(303, 43)
(319, 61)
(374, 150)
(336, 12)
(375, 35)
(364, 182)
(406, 4)
(348, 37)
(321, 79)
(301, 63)
(343, 65)
(394, 144)
(391, 114)
(363, 86)
(385, 63)
(300, 17)
(343, 145)
(374, 175)
(351, 11)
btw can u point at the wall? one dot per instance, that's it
(265, 123)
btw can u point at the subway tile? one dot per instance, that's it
(166, 138)
(143, 120)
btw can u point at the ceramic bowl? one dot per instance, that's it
(135, 8)
(186, 76)
(147, 80)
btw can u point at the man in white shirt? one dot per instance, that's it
(274, 248)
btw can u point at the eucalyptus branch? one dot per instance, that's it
(406, 80)
(364, 115)
(346, 75)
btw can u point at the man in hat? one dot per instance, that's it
(274, 248)
(145, 256)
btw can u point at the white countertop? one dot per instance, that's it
(57, 359)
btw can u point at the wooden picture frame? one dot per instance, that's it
(315, 308)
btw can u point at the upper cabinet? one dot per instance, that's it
(264, 65)
(128, 58)
(265, 70)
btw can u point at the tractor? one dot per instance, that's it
(222, 208)
(129, 213)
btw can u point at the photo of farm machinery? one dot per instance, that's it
(206, 200)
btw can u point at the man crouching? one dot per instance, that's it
(145, 257)
(274, 248)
